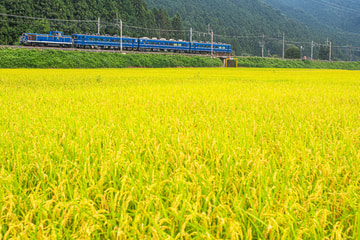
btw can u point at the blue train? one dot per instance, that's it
(57, 39)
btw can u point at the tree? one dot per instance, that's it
(164, 23)
(177, 25)
(4, 35)
(324, 53)
(293, 53)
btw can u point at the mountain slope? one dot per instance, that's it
(240, 17)
(252, 17)
(132, 12)
(340, 15)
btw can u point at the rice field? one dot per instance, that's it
(179, 154)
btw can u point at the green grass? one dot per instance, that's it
(279, 63)
(179, 154)
(25, 58)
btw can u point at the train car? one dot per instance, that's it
(54, 38)
(105, 42)
(222, 48)
(146, 44)
(200, 47)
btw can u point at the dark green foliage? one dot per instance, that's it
(164, 22)
(132, 12)
(293, 53)
(4, 27)
(253, 18)
(338, 15)
(236, 18)
(176, 23)
(24, 58)
(279, 63)
(324, 53)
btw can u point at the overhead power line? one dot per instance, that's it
(171, 30)
(337, 6)
(46, 19)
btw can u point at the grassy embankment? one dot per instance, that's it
(179, 154)
(279, 63)
(25, 58)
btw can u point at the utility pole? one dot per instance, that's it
(98, 26)
(121, 32)
(350, 52)
(330, 53)
(312, 50)
(212, 42)
(191, 34)
(121, 36)
(283, 49)
(262, 44)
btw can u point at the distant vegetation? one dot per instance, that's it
(132, 12)
(24, 58)
(279, 63)
(231, 18)
(340, 15)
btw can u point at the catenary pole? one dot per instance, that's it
(350, 52)
(283, 48)
(121, 36)
(98, 26)
(262, 45)
(191, 34)
(212, 42)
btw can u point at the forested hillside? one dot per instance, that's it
(341, 15)
(247, 19)
(255, 17)
(132, 12)
(235, 17)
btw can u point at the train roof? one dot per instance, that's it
(107, 36)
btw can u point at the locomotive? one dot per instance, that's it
(57, 39)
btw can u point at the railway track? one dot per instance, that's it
(103, 50)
